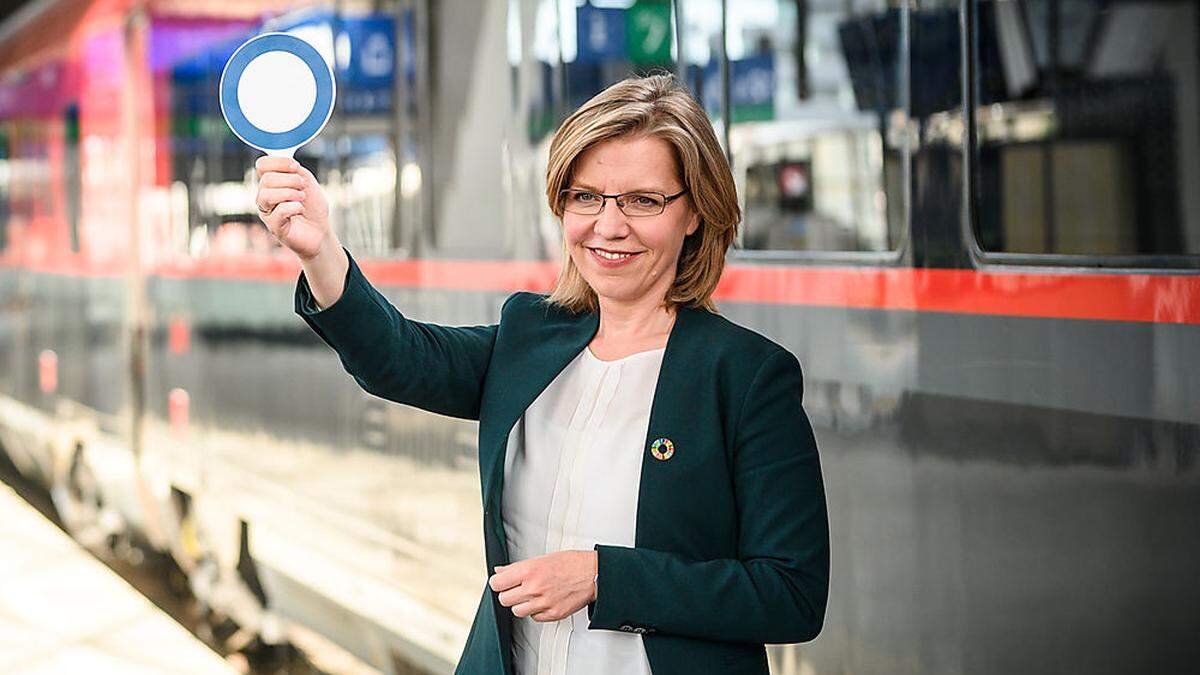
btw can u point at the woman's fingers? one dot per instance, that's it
(286, 190)
(280, 216)
(526, 609)
(266, 164)
(276, 179)
(515, 596)
(268, 198)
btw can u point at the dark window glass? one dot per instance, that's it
(1088, 127)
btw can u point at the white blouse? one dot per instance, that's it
(571, 476)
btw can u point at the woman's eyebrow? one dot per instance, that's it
(591, 188)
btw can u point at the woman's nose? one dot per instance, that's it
(610, 222)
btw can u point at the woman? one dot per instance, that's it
(652, 493)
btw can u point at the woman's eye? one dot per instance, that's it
(585, 197)
(645, 200)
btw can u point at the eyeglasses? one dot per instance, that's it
(635, 204)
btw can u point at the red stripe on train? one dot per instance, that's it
(1066, 295)
(1160, 298)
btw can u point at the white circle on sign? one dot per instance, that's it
(273, 77)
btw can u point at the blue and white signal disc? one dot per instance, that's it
(277, 92)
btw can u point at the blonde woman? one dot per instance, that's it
(653, 500)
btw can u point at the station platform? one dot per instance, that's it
(63, 611)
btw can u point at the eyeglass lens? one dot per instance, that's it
(631, 204)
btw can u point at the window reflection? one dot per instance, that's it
(32, 123)
(560, 54)
(583, 47)
(359, 157)
(1088, 128)
(812, 95)
(814, 86)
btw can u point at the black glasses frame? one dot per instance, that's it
(667, 199)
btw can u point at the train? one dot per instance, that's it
(969, 220)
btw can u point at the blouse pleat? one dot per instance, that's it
(571, 477)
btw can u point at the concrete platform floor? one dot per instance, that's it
(62, 611)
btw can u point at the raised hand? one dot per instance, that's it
(293, 205)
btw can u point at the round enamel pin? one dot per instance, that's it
(662, 449)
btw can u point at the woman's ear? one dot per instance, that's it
(693, 223)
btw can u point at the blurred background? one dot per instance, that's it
(970, 220)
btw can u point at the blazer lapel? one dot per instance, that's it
(530, 368)
(662, 481)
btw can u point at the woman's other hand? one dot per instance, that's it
(549, 587)
(292, 204)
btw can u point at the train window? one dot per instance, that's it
(809, 91)
(28, 194)
(583, 47)
(817, 122)
(560, 53)
(363, 157)
(1087, 127)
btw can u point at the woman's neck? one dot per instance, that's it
(633, 327)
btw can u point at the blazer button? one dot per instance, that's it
(639, 629)
(626, 627)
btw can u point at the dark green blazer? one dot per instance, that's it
(732, 540)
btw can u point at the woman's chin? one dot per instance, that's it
(617, 292)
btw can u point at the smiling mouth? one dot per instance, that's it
(613, 255)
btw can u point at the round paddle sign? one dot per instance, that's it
(277, 93)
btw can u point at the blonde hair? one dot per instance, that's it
(655, 106)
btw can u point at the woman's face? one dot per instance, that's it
(619, 165)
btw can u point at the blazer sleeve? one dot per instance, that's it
(775, 591)
(433, 367)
